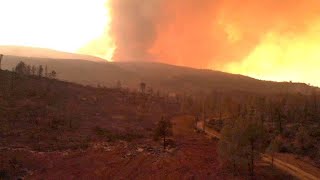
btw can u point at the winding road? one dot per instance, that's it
(284, 166)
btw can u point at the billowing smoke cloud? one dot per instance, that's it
(204, 33)
(134, 27)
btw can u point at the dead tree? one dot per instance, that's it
(1, 56)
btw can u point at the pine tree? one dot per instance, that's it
(28, 70)
(229, 146)
(253, 138)
(21, 68)
(273, 148)
(33, 70)
(46, 71)
(163, 130)
(241, 141)
(53, 74)
(40, 71)
(142, 87)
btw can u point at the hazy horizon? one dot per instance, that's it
(229, 36)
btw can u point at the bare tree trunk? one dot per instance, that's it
(234, 167)
(249, 167)
(252, 159)
(164, 142)
(12, 82)
(70, 123)
(280, 122)
(196, 122)
(203, 115)
(0, 60)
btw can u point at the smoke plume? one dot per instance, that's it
(216, 34)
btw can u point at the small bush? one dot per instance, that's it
(129, 136)
(104, 133)
(216, 125)
(4, 174)
(286, 148)
(315, 132)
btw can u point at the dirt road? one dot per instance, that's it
(284, 166)
(294, 171)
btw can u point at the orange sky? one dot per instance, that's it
(66, 25)
(265, 39)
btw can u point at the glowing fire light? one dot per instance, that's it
(65, 25)
(279, 57)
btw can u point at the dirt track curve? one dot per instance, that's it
(281, 165)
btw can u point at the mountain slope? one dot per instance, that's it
(159, 76)
(44, 53)
(79, 71)
(186, 79)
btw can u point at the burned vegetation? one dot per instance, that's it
(48, 125)
(42, 114)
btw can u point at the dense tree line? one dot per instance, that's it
(24, 69)
(257, 123)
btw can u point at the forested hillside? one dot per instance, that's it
(164, 77)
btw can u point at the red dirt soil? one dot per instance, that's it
(194, 157)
